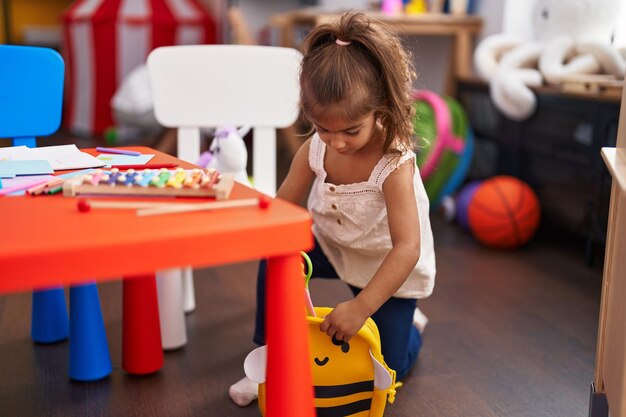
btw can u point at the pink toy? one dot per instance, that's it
(392, 6)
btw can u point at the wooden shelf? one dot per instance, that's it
(611, 93)
(462, 29)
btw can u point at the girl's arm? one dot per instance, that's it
(299, 178)
(404, 226)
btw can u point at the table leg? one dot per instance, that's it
(289, 382)
(50, 322)
(171, 311)
(189, 293)
(142, 352)
(89, 348)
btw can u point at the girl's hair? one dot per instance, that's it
(372, 73)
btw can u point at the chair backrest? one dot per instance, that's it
(31, 92)
(200, 86)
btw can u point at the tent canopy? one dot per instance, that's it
(106, 39)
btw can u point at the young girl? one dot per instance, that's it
(365, 194)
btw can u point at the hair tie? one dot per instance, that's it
(342, 43)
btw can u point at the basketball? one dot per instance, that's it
(504, 212)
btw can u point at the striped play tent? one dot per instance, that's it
(106, 39)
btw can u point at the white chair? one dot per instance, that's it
(204, 86)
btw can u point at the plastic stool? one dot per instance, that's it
(142, 352)
(49, 320)
(89, 350)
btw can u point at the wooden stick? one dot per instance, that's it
(133, 204)
(184, 208)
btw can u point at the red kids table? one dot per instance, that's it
(48, 241)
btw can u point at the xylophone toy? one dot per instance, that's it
(152, 182)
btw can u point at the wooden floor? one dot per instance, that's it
(511, 334)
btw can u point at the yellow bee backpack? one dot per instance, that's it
(349, 378)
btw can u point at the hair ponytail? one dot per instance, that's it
(368, 69)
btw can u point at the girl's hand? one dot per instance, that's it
(345, 320)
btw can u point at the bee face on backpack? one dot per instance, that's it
(345, 348)
(328, 355)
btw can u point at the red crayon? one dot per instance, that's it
(145, 166)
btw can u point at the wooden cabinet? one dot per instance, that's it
(609, 387)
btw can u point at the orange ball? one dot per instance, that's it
(504, 212)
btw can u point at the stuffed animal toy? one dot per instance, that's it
(571, 37)
(228, 153)
(132, 106)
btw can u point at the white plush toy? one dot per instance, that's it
(228, 153)
(132, 106)
(570, 37)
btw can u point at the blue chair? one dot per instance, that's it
(31, 82)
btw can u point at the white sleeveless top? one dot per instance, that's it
(350, 224)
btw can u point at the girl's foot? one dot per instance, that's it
(244, 391)
(419, 320)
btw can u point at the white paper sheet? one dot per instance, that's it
(60, 157)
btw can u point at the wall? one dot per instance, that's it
(492, 12)
(433, 53)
